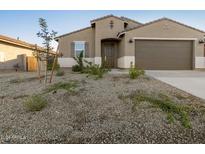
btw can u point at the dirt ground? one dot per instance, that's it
(95, 112)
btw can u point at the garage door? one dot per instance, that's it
(163, 55)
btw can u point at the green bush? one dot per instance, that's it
(91, 69)
(76, 68)
(135, 72)
(79, 66)
(50, 66)
(60, 73)
(174, 110)
(69, 86)
(95, 69)
(35, 103)
(50, 63)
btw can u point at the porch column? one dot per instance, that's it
(97, 58)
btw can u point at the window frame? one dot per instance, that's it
(78, 49)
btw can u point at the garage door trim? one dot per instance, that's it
(162, 38)
(193, 40)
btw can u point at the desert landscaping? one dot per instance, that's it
(112, 109)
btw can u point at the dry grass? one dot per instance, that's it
(35, 103)
(22, 79)
(174, 111)
(69, 86)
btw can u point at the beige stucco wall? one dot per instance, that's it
(126, 51)
(103, 31)
(10, 53)
(163, 29)
(94, 36)
(84, 35)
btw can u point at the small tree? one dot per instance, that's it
(47, 37)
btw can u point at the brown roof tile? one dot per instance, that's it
(128, 19)
(17, 42)
(104, 17)
(20, 43)
(101, 18)
(158, 20)
(56, 38)
(120, 18)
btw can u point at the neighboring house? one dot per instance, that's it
(14, 53)
(163, 44)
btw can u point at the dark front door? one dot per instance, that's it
(108, 54)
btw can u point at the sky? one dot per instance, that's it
(24, 24)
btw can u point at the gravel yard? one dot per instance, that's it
(97, 111)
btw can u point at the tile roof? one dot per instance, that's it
(56, 38)
(104, 17)
(111, 15)
(158, 20)
(128, 19)
(92, 21)
(20, 43)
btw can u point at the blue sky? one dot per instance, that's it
(24, 24)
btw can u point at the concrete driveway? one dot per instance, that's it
(190, 81)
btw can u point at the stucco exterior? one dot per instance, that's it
(86, 34)
(103, 31)
(163, 29)
(14, 51)
(10, 53)
(124, 32)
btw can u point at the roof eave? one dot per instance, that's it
(158, 20)
(108, 16)
(57, 38)
(125, 18)
(21, 45)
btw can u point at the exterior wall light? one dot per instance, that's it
(131, 41)
(202, 41)
(111, 24)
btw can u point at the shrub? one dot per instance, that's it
(90, 69)
(50, 63)
(18, 80)
(60, 85)
(35, 103)
(170, 118)
(76, 68)
(95, 69)
(135, 72)
(60, 73)
(50, 66)
(79, 60)
(173, 110)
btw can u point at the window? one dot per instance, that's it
(79, 47)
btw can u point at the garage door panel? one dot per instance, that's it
(159, 54)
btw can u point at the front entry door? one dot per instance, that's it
(108, 54)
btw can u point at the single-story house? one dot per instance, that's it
(162, 44)
(17, 53)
